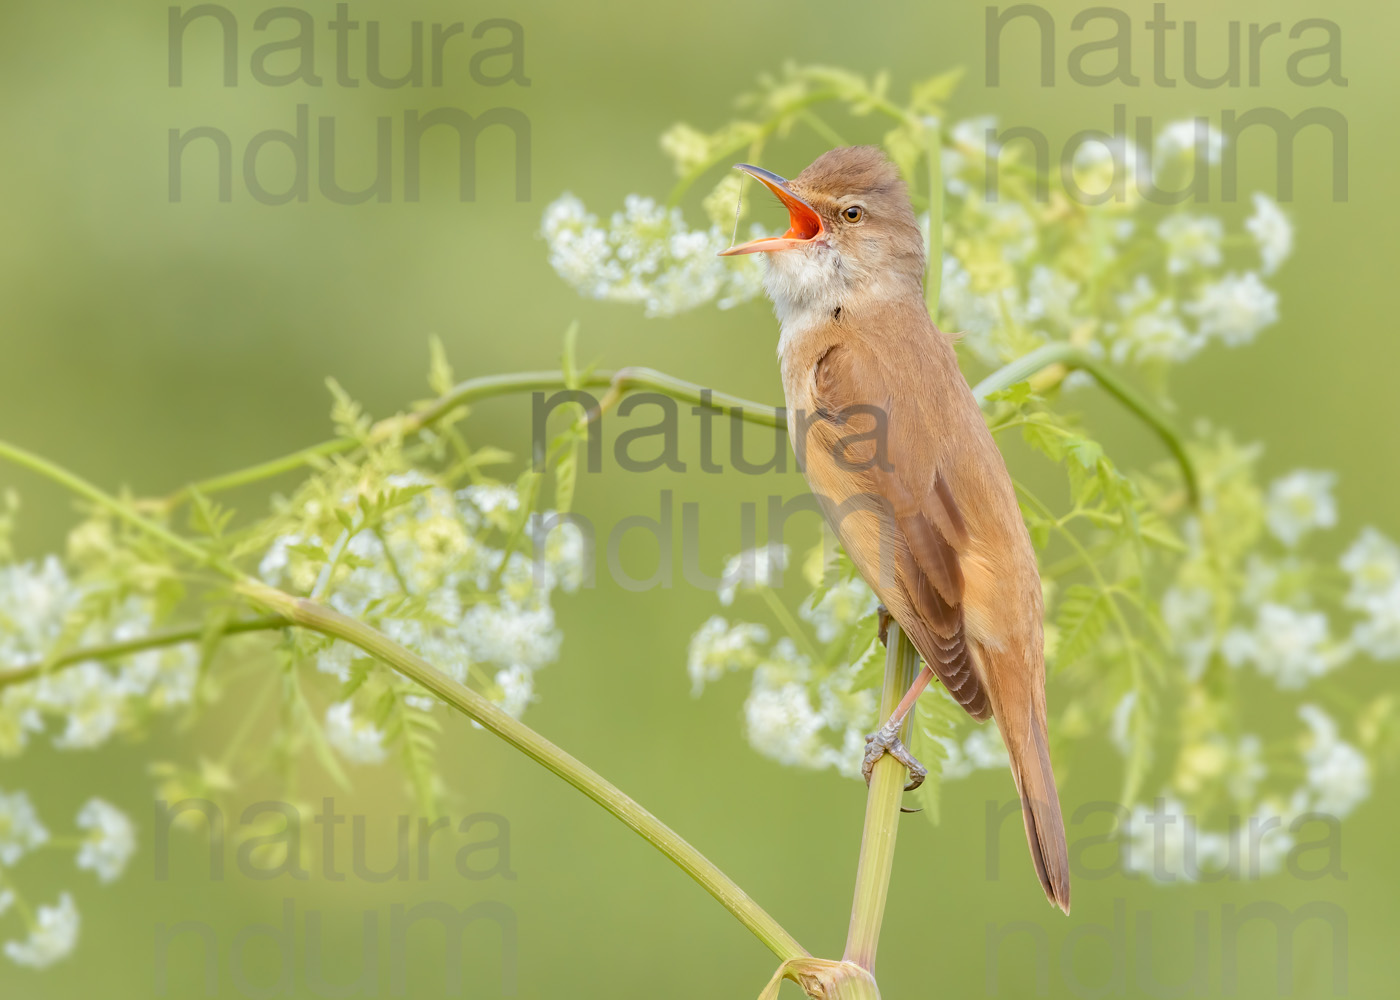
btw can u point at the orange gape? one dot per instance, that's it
(895, 449)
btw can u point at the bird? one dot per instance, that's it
(892, 443)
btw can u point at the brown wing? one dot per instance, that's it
(918, 513)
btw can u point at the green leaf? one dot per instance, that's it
(1044, 437)
(569, 359)
(565, 480)
(1081, 621)
(440, 375)
(929, 96)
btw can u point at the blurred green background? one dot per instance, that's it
(148, 343)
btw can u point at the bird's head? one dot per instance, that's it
(850, 228)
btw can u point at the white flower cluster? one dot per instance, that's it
(431, 578)
(1373, 565)
(647, 256)
(43, 611)
(1289, 642)
(797, 712)
(1005, 288)
(797, 717)
(104, 849)
(1165, 843)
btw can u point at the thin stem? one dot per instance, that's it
(789, 623)
(485, 387)
(86, 490)
(881, 812)
(318, 618)
(117, 650)
(1061, 353)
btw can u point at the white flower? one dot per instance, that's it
(718, 647)
(1110, 167)
(1272, 232)
(1195, 136)
(561, 548)
(36, 603)
(111, 842)
(1379, 634)
(1150, 330)
(1155, 335)
(1373, 563)
(647, 256)
(1339, 776)
(843, 604)
(517, 684)
(358, 740)
(1285, 644)
(489, 498)
(1299, 502)
(761, 567)
(782, 723)
(90, 697)
(53, 937)
(970, 135)
(509, 635)
(1193, 241)
(163, 678)
(20, 829)
(277, 559)
(1235, 308)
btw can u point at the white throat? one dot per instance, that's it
(806, 287)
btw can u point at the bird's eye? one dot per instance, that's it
(854, 213)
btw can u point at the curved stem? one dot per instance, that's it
(484, 387)
(76, 484)
(319, 618)
(1061, 353)
(309, 614)
(156, 640)
(627, 379)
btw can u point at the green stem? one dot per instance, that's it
(627, 379)
(318, 618)
(881, 812)
(117, 650)
(485, 387)
(75, 484)
(1061, 353)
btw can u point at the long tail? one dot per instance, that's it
(1040, 808)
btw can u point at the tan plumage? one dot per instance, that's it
(923, 504)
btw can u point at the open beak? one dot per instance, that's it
(804, 225)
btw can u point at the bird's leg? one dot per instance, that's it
(885, 740)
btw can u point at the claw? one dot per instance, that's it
(885, 740)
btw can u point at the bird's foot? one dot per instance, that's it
(885, 740)
(882, 616)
